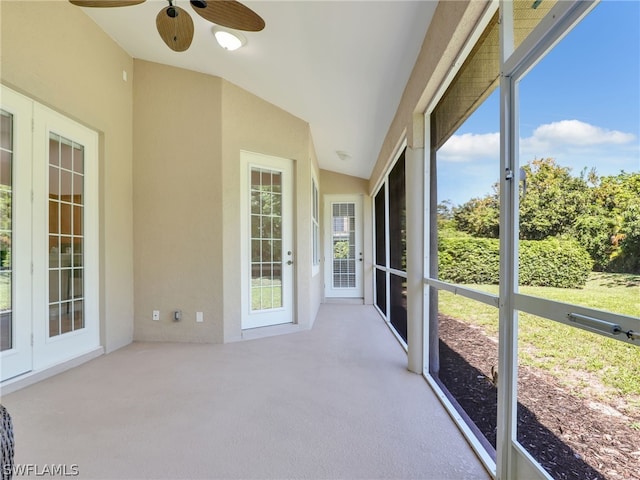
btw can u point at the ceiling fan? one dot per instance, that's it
(175, 26)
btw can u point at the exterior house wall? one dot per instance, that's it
(53, 53)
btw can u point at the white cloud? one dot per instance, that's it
(470, 146)
(548, 140)
(567, 134)
(473, 159)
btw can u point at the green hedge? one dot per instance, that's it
(543, 263)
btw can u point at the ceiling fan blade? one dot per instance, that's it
(229, 13)
(105, 3)
(175, 26)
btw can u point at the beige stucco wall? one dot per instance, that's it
(55, 54)
(177, 203)
(189, 130)
(338, 184)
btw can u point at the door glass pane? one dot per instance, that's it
(6, 230)
(66, 235)
(266, 239)
(343, 239)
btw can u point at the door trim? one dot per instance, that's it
(277, 316)
(345, 293)
(19, 359)
(60, 348)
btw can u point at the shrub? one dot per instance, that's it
(594, 232)
(468, 260)
(546, 263)
(554, 263)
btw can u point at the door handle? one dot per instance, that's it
(289, 262)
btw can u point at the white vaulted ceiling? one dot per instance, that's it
(339, 65)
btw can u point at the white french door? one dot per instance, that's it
(15, 235)
(343, 220)
(267, 240)
(48, 237)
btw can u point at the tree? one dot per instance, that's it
(553, 201)
(593, 230)
(479, 216)
(601, 213)
(610, 231)
(5, 226)
(445, 219)
(627, 258)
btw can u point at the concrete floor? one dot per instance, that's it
(333, 402)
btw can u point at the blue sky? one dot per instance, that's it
(579, 105)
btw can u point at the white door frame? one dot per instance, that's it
(48, 351)
(19, 359)
(254, 318)
(343, 292)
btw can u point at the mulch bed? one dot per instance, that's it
(572, 437)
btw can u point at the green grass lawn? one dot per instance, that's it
(265, 294)
(580, 359)
(5, 291)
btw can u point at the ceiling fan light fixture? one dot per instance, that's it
(229, 40)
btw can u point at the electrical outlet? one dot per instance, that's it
(199, 317)
(156, 315)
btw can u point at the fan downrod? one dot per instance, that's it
(171, 11)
